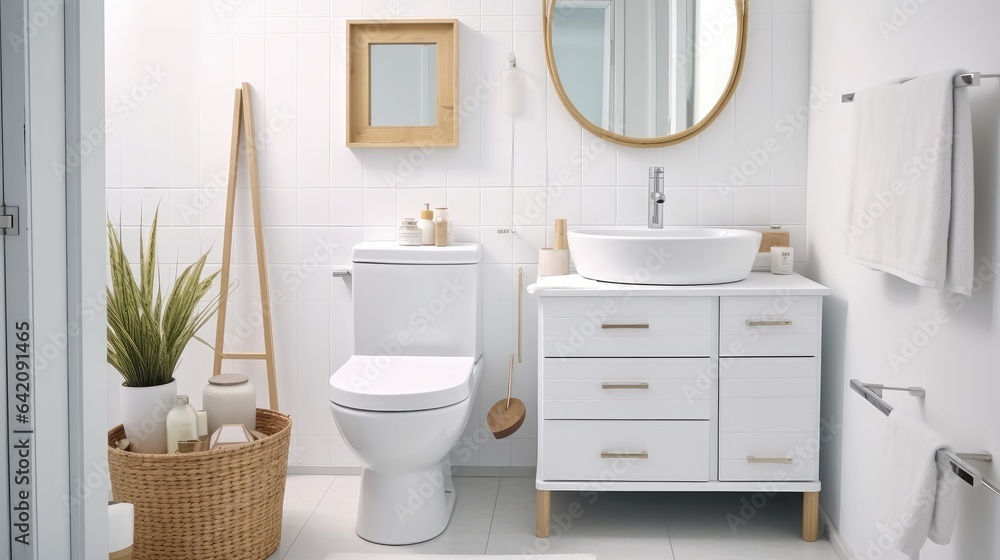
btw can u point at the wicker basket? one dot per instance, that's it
(224, 504)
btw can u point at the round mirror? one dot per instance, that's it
(645, 72)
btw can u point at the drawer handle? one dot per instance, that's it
(751, 323)
(624, 385)
(770, 460)
(624, 455)
(625, 326)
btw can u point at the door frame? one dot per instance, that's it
(86, 277)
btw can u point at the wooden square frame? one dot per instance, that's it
(361, 34)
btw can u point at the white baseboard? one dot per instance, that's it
(840, 545)
(506, 472)
(325, 470)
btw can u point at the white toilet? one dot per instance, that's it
(403, 399)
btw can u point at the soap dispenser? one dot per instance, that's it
(426, 224)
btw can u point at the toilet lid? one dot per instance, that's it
(401, 383)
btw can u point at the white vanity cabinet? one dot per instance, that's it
(680, 388)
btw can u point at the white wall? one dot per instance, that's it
(170, 143)
(871, 314)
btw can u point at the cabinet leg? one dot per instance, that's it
(810, 516)
(543, 512)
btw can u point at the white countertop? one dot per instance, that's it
(757, 284)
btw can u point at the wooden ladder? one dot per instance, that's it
(243, 113)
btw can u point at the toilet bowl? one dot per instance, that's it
(401, 416)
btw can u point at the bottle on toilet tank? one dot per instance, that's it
(426, 225)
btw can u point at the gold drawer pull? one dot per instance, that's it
(770, 460)
(751, 323)
(624, 455)
(625, 326)
(624, 385)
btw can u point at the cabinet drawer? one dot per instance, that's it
(624, 450)
(770, 306)
(801, 445)
(611, 308)
(731, 470)
(766, 388)
(768, 377)
(765, 368)
(627, 326)
(769, 326)
(627, 388)
(782, 414)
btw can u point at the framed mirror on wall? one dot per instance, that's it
(645, 73)
(402, 79)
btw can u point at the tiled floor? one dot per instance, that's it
(497, 516)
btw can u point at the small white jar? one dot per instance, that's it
(782, 260)
(230, 398)
(409, 235)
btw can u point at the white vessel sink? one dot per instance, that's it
(668, 256)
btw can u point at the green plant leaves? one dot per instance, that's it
(146, 333)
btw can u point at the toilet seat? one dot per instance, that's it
(401, 383)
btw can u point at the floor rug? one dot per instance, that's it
(367, 556)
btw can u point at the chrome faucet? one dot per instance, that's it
(656, 197)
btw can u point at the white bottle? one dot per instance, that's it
(426, 224)
(182, 423)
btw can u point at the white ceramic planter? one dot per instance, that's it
(144, 415)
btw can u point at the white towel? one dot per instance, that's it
(911, 191)
(919, 498)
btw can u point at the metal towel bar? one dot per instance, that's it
(872, 392)
(961, 80)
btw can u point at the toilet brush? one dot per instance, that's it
(507, 415)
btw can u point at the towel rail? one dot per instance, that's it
(961, 80)
(872, 392)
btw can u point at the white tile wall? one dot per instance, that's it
(321, 198)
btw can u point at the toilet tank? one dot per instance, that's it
(417, 301)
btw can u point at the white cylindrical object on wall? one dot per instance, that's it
(230, 398)
(512, 82)
(121, 534)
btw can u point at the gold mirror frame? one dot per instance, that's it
(361, 34)
(734, 79)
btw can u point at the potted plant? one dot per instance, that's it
(147, 334)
